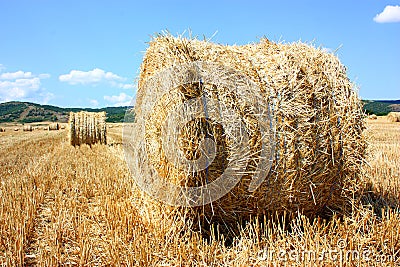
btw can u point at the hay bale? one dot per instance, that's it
(87, 128)
(372, 117)
(316, 118)
(16, 129)
(54, 127)
(393, 117)
(28, 128)
(2, 130)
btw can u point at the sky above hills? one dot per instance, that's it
(88, 53)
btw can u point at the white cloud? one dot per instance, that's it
(127, 86)
(389, 14)
(23, 86)
(15, 75)
(94, 102)
(94, 76)
(119, 100)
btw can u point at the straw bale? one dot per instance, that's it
(27, 128)
(53, 127)
(316, 116)
(393, 117)
(87, 128)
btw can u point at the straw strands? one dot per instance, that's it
(316, 117)
(87, 128)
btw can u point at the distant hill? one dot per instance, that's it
(26, 112)
(381, 107)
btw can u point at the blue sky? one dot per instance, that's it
(88, 53)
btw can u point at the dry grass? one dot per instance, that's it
(78, 206)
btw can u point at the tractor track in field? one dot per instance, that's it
(35, 162)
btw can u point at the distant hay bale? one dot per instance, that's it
(315, 114)
(2, 130)
(54, 127)
(28, 128)
(87, 128)
(393, 117)
(372, 117)
(16, 129)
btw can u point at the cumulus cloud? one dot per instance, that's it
(94, 102)
(127, 86)
(23, 86)
(94, 76)
(15, 75)
(119, 100)
(388, 15)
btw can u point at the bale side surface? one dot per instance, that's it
(87, 128)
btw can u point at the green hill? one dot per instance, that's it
(381, 107)
(25, 112)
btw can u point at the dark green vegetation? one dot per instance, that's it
(25, 112)
(381, 107)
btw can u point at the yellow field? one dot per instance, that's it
(61, 205)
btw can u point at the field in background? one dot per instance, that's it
(80, 207)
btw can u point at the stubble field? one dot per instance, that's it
(61, 205)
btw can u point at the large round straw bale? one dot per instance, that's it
(372, 117)
(393, 117)
(316, 119)
(2, 130)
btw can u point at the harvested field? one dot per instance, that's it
(65, 205)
